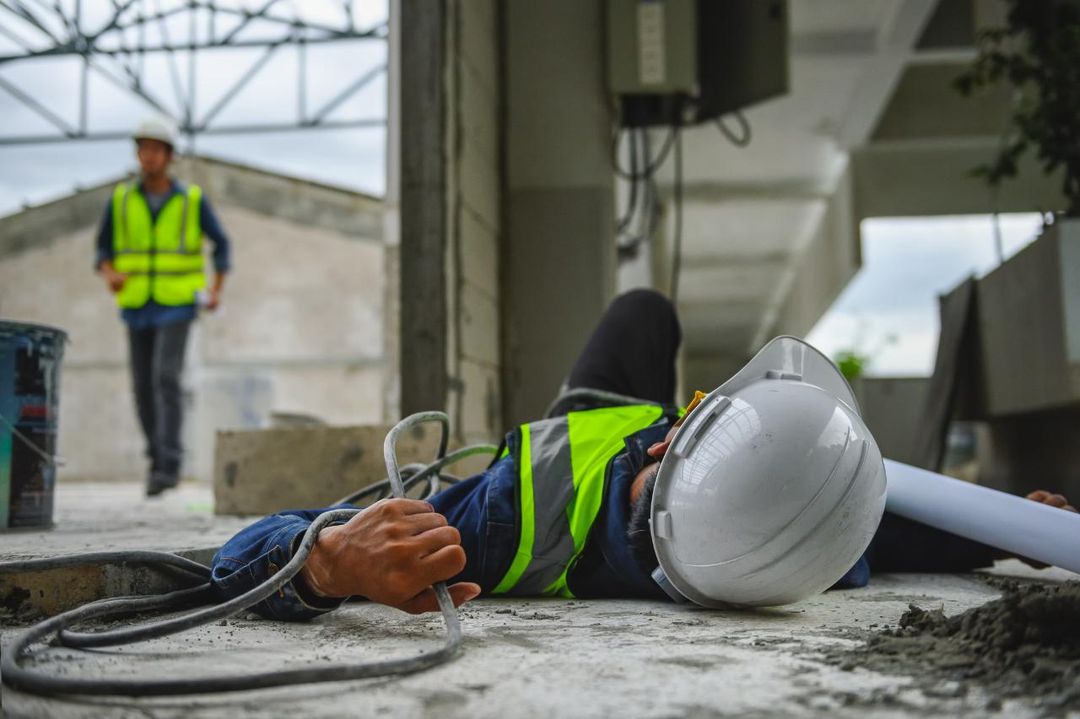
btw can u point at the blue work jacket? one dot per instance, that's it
(483, 509)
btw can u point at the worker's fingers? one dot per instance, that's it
(406, 506)
(420, 523)
(425, 601)
(441, 564)
(658, 450)
(435, 539)
(1038, 495)
(1069, 508)
(1056, 500)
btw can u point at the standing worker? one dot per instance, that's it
(150, 253)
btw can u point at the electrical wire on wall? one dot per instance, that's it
(641, 218)
(639, 222)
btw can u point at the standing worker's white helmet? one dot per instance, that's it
(772, 488)
(157, 128)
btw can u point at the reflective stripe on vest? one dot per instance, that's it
(562, 474)
(162, 257)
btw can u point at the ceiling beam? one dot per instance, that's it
(895, 46)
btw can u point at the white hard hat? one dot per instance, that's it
(157, 128)
(772, 488)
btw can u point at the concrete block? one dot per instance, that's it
(478, 112)
(480, 252)
(478, 38)
(478, 174)
(479, 325)
(32, 595)
(266, 471)
(480, 411)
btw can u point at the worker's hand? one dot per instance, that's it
(1048, 498)
(392, 552)
(113, 279)
(213, 299)
(1054, 500)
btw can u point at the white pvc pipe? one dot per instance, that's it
(1015, 524)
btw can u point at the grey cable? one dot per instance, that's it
(23, 679)
(126, 557)
(421, 472)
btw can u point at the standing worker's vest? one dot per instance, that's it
(162, 258)
(563, 469)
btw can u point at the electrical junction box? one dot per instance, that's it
(689, 61)
(652, 46)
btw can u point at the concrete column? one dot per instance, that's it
(450, 217)
(391, 396)
(423, 201)
(558, 270)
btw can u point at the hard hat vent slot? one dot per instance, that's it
(702, 425)
(776, 374)
(661, 524)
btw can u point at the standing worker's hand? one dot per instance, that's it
(115, 280)
(392, 552)
(213, 299)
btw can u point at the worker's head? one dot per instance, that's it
(769, 490)
(155, 140)
(154, 156)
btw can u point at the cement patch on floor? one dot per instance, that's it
(546, 657)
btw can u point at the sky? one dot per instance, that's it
(889, 311)
(31, 174)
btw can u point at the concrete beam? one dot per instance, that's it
(817, 272)
(926, 105)
(896, 39)
(934, 177)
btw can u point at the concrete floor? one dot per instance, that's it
(521, 657)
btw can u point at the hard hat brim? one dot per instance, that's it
(786, 355)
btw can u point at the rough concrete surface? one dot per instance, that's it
(573, 658)
(1024, 644)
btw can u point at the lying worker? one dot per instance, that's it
(507, 530)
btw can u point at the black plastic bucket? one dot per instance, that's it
(30, 357)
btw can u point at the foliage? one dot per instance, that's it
(1038, 54)
(852, 364)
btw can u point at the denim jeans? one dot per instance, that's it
(157, 364)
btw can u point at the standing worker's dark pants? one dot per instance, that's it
(157, 362)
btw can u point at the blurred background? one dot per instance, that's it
(431, 203)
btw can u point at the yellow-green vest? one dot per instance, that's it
(562, 468)
(162, 258)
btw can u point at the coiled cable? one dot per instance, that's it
(21, 678)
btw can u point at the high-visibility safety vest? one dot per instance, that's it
(563, 468)
(162, 257)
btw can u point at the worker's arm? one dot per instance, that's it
(392, 552)
(222, 255)
(104, 254)
(259, 551)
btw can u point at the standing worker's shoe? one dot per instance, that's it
(159, 481)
